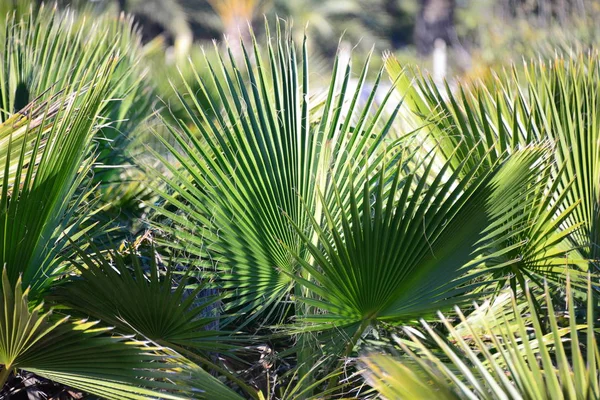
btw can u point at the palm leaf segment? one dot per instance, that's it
(243, 173)
(510, 363)
(47, 48)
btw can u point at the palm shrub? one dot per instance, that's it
(278, 194)
(47, 51)
(47, 206)
(405, 251)
(508, 354)
(135, 293)
(309, 209)
(40, 183)
(37, 207)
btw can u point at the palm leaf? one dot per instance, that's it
(561, 364)
(132, 293)
(244, 171)
(403, 254)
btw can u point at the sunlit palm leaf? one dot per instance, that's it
(560, 364)
(41, 193)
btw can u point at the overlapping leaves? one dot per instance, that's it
(74, 353)
(537, 104)
(499, 363)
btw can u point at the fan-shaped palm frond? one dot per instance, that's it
(533, 364)
(243, 174)
(496, 118)
(132, 293)
(403, 254)
(49, 48)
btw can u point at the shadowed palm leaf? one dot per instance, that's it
(498, 117)
(405, 253)
(242, 171)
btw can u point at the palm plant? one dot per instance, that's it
(310, 214)
(77, 354)
(158, 303)
(278, 196)
(132, 293)
(405, 251)
(49, 166)
(38, 201)
(46, 202)
(268, 149)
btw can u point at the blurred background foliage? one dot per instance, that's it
(472, 36)
(479, 33)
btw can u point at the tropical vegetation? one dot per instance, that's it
(245, 223)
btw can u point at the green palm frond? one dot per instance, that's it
(39, 197)
(243, 174)
(132, 293)
(402, 255)
(497, 117)
(531, 364)
(78, 354)
(48, 48)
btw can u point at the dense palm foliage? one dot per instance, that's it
(299, 239)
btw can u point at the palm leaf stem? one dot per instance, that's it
(334, 380)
